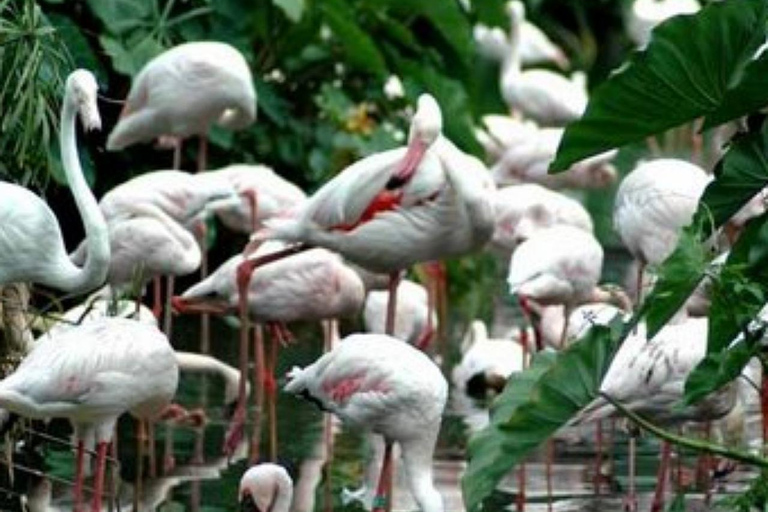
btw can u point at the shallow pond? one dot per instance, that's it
(201, 479)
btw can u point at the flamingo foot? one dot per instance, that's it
(235, 432)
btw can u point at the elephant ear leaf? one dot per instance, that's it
(691, 66)
(535, 404)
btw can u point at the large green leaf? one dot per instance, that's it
(750, 95)
(678, 276)
(740, 174)
(534, 405)
(684, 73)
(716, 370)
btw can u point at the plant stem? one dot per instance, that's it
(695, 444)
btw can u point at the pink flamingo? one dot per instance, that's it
(396, 208)
(414, 320)
(31, 243)
(310, 286)
(182, 92)
(382, 384)
(91, 374)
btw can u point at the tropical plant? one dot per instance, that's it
(699, 67)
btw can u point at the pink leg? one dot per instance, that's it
(157, 301)
(98, 488)
(661, 479)
(529, 316)
(382, 498)
(271, 388)
(258, 393)
(237, 423)
(177, 154)
(520, 499)
(78, 492)
(168, 313)
(151, 445)
(394, 281)
(630, 501)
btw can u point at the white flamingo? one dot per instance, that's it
(91, 374)
(183, 91)
(535, 46)
(653, 203)
(644, 15)
(522, 210)
(412, 319)
(547, 97)
(396, 208)
(559, 265)
(311, 286)
(528, 161)
(258, 185)
(266, 487)
(31, 244)
(382, 384)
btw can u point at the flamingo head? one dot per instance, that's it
(261, 486)
(516, 11)
(82, 91)
(426, 126)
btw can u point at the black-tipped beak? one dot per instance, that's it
(248, 505)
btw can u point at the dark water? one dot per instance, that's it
(205, 481)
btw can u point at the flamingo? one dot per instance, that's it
(535, 47)
(653, 203)
(552, 321)
(183, 91)
(648, 377)
(414, 321)
(498, 133)
(309, 286)
(259, 186)
(528, 160)
(91, 374)
(559, 265)
(644, 15)
(31, 243)
(522, 210)
(266, 487)
(433, 200)
(382, 384)
(547, 97)
(486, 364)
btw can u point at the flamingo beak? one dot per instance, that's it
(192, 305)
(408, 164)
(247, 504)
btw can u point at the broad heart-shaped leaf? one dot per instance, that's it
(534, 405)
(684, 73)
(739, 175)
(716, 370)
(750, 95)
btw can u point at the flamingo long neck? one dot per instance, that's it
(283, 498)
(511, 64)
(94, 271)
(417, 455)
(198, 363)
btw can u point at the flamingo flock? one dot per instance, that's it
(343, 252)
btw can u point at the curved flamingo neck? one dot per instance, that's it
(511, 63)
(94, 271)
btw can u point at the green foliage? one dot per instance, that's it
(535, 404)
(755, 497)
(32, 66)
(690, 67)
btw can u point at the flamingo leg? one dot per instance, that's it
(428, 334)
(394, 281)
(168, 312)
(78, 491)
(329, 330)
(630, 500)
(520, 498)
(528, 313)
(598, 456)
(202, 154)
(140, 439)
(157, 301)
(381, 502)
(258, 394)
(639, 293)
(548, 471)
(177, 154)
(271, 387)
(237, 423)
(564, 334)
(101, 459)
(169, 461)
(661, 479)
(151, 444)
(205, 318)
